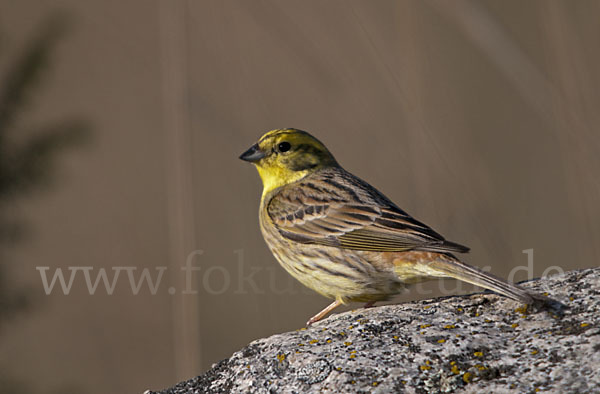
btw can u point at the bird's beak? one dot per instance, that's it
(253, 154)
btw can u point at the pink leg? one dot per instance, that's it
(370, 304)
(324, 312)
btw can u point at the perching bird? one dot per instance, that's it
(341, 237)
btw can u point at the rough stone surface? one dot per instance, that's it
(475, 343)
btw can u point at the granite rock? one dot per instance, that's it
(469, 344)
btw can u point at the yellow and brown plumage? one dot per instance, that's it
(341, 237)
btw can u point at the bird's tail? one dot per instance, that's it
(448, 266)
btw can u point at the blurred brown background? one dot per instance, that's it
(479, 118)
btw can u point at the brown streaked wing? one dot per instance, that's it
(314, 211)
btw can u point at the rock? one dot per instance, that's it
(474, 343)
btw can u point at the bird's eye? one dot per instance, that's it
(284, 146)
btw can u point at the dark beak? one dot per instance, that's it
(253, 154)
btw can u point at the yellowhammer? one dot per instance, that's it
(341, 237)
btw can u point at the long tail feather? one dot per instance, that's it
(456, 269)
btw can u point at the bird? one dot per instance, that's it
(341, 237)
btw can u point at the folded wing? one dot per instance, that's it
(337, 209)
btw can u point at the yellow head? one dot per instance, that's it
(284, 156)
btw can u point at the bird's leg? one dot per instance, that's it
(324, 312)
(370, 304)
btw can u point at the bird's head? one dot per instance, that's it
(284, 156)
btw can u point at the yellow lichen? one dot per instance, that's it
(425, 325)
(522, 310)
(534, 351)
(375, 384)
(328, 341)
(478, 354)
(584, 324)
(281, 357)
(424, 367)
(449, 326)
(467, 377)
(347, 343)
(313, 341)
(455, 370)
(352, 355)
(514, 325)
(441, 340)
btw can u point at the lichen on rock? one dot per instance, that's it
(474, 343)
